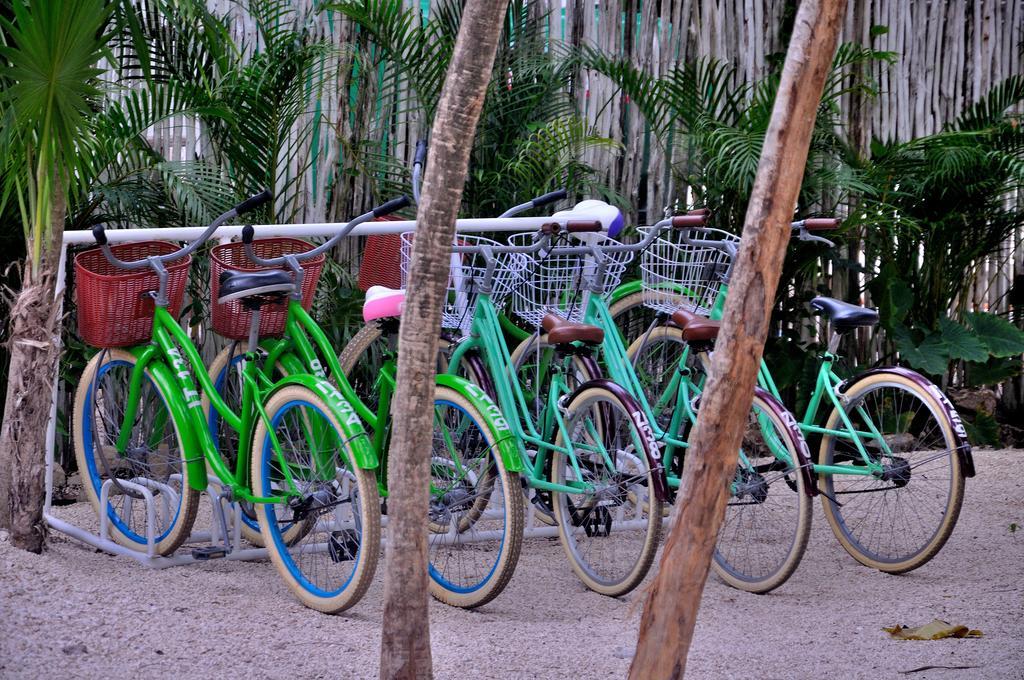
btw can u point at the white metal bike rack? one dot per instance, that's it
(234, 545)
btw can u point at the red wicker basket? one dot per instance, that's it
(113, 310)
(231, 319)
(381, 265)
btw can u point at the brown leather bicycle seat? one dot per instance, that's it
(696, 328)
(561, 331)
(701, 330)
(682, 317)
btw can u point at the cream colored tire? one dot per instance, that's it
(92, 471)
(940, 486)
(637, 551)
(280, 547)
(510, 496)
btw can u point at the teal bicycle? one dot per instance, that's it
(768, 515)
(892, 453)
(588, 451)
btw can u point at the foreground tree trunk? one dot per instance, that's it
(405, 640)
(33, 368)
(673, 600)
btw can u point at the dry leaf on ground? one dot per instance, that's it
(936, 630)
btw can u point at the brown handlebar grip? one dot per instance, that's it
(579, 226)
(551, 228)
(699, 211)
(684, 221)
(821, 223)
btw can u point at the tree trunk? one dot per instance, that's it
(673, 600)
(405, 639)
(33, 368)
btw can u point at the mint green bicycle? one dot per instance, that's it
(893, 453)
(768, 515)
(143, 445)
(588, 451)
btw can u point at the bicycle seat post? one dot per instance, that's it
(254, 329)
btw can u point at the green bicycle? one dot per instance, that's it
(143, 445)
(476, 516)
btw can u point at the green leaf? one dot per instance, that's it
(993, 371)
(893, 297)
(1002, 338)
(983, 431)
(931, 355)
(878, 30)
(961, 342)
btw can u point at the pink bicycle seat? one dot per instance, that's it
(382, 302)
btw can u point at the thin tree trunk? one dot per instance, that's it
(672, 603)
(405, 640)
(33, 367)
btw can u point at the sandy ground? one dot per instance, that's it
(74, 612)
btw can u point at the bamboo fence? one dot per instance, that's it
(947, 55)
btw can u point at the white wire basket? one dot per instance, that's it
(466, 274)
(681, 276)
(561, 284)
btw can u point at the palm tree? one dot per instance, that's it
(257, 98)
(73, 152)
(714, 125)
(50, 85)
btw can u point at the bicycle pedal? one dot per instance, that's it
(209, 552)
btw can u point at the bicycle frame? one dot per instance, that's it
(486, 338)
(300, 351)
(825, 387)
(174, 374)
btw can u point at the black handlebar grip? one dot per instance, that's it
(254, 202)
(579, 226)
(248, 233)
(421, 153)
(549, 197)
(99, 234)
(684, 221)
(391, 206)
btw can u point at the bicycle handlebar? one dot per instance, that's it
(421, 153)
(419, 160)
(550, 197)
(156, 261)
(539, 201)
(248, 233)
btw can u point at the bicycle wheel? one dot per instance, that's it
(898, 522)
(476, 506)
(362, 359)
(532, 361)
(329, 562)
(365, 354)
(155, 457)
(655, 357)
(631, 316)
(610, 532)
(768, 514)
